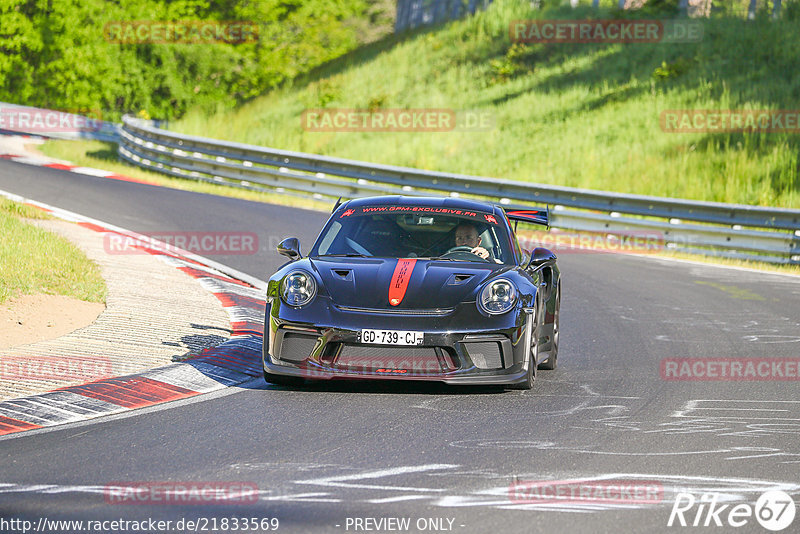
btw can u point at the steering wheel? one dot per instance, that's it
(462, 252)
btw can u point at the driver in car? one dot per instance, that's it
(467, 236)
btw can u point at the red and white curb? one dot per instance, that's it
(234, 361)
(50, 164)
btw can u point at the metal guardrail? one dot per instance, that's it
(730, 230)
(55, 124)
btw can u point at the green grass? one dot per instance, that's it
(24, 211)
(580, 115)
(33, 260)
(65, 55)
(98, 154)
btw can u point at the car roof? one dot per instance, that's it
(446, 202)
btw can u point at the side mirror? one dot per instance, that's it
(290, 247)
(540, 257)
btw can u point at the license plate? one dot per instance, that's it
(391, 337)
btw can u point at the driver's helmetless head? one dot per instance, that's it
(467, 236)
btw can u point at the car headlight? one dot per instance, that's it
(497, 297)
(298, 288)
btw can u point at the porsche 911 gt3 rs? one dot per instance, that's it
(414, 288)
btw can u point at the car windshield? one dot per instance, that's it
(415, 232)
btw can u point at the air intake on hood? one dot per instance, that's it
(458, 279)
(344, 274)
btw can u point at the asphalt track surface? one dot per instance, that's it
(323, 457)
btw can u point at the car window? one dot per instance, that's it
(330, 235)
(522, 255)
(415, 235)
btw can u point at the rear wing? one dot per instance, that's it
(535, 216)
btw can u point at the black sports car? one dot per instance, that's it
(414, 288)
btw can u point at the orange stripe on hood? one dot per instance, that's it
(400, 278)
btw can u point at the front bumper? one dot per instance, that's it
(491, 351)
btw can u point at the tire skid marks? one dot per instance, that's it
(720, 417)
(349, 481)
(487, 489)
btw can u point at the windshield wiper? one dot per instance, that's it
(348, 255)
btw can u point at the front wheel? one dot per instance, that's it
(530, 376)
(552, 361)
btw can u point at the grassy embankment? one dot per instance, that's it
(581, 115)
(33, 260)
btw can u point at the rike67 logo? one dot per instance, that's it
(774, 510)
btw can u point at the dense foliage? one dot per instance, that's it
(55, 54)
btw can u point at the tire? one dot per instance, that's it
(530, 377)
(280, 380)
(552, 361)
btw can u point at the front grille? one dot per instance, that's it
(439, 312)
(297, 347)
(414, 360)
(485, 354)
